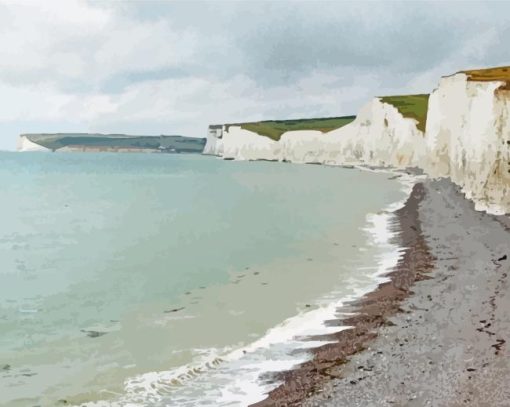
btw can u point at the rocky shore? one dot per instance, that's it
(437, 333)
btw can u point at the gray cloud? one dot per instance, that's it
(176, 66)
(276, 42)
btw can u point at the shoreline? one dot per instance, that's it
(437, 333)
(307, 311)
(369, 312)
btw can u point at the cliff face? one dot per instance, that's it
(24, 144)
(379, 136)
(241, 144)
(214, 142)
(467, 138)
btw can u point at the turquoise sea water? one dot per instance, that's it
(133, 279)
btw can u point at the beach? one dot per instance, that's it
(435, 334)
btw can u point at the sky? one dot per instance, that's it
(174, 67)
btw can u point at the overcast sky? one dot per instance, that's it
(174, 67)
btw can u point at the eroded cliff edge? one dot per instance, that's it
(464, 135)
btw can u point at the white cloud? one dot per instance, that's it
(71, 41)
(174, 67)
(31, 103)
(36, 39)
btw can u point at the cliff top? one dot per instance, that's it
(501, 73)
(97, 135)
(411, 106)
(275, 128)
(57, 141)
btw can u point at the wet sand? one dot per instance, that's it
(437, 333)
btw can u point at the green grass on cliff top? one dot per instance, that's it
(275, 128)
(501, 73)
(411, 106)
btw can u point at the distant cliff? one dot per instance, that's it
(242, 141)
(87, 142)
(461, 131)
(386, 132)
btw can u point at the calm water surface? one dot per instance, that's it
(135, 279)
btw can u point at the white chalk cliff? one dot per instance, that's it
(241, 144)
(25, 144)
(467, 138)
(379, 135)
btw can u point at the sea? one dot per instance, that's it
(178, 280)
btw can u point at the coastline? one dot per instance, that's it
(368, 314)
(410, 318)
(246, 361)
